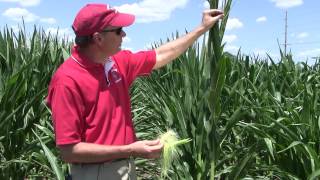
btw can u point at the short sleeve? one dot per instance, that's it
(135, 64)
(67, 112)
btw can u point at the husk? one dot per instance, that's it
(170, 149)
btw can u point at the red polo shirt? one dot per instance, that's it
(90, 102)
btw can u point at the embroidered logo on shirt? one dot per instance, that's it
(110, 68)
(115, 75)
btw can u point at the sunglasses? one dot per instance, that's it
(117, 31)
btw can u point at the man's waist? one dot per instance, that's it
(102, 162)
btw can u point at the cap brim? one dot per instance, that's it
(122, 20)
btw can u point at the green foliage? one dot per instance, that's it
(26, 66)
(268, 126)
(248, 118)
(269, 121)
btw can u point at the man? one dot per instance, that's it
(89, 93)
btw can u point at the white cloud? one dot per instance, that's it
(48, 20)
(24, 2)
(274, 56)
(233, 23)
(128, 48)
(229, 38)
(287, 3)
(263, 54)
(206, 4)
(302, 35)
(148, 11)
(261, 19)
(310, 53)
(65, 33)
(18, 13)
(231, 49)
(126, 39)
(15, 29)
(260, 52)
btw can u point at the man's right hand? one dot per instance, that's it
(91, 153)
(147, 149)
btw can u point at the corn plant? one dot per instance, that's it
(269, 123)
(26, 66)
(202, 74)
(247, 117)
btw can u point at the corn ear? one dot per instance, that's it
(170, 143)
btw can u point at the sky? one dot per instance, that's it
(257, 27)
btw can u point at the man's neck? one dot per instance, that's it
(94, 55)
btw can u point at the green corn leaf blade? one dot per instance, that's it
(240, 168)
(315, 175)
(292, 145)
(46, 131)
(269, 146)
(52, 159)
(234, 119)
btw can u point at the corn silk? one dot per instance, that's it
(170, 143)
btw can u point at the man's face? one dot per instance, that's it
(111, 39)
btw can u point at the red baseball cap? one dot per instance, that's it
(95, 17)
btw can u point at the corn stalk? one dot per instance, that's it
(218, 63)
(26, 66)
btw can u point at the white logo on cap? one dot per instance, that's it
(111, 8)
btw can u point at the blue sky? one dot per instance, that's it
(255, 26)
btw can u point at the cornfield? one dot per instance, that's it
(248, 117)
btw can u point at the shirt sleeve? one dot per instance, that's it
(135, 64)
(67, 112)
